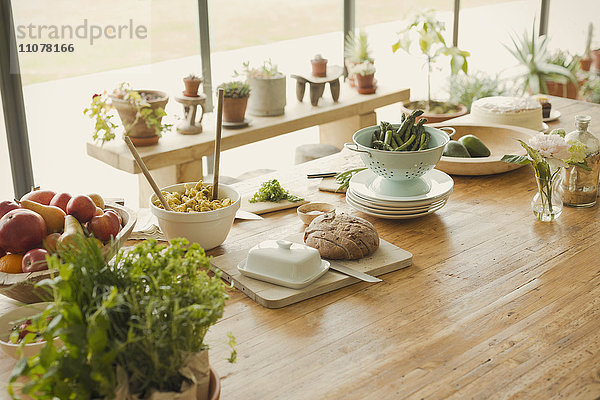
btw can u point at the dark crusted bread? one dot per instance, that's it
(341, 236)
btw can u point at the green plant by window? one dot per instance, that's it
(535, 66)
(356, 47)
(465, 89)
(267, 70)
(101, 111)
(141, 314)
(235, 89)
(591, 89)
(429, 35)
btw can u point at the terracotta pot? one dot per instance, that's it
(234, 109)
(431, 117)
(319, 67)
(191, 87)
(365, 81)
(585, 63)
(596, 59)
(559, 89)
(127, 112)
(214, 392)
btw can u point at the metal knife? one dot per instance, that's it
(349, 271)
(242, 214)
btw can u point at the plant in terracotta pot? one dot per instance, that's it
(268, 88)
(235, 100)
(141, 113)
(191, 82)
(319, 66)
(133, 327)
(427, 31)
(365, 74)
(591, 90)
(356, 51)
(533, 70)
(586, 60)
(559, 85)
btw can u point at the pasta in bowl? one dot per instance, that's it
(196, 217)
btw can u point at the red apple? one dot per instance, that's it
(81, 207)
(61, 200)
(113, 212)
(34, 260)
(104, 226)
(50, 242)
(40, 196)
(21, 230)
(7, 206)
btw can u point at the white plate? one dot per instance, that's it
(545, 127)
(554, 115)
(383, 208)
(365, 208)
(441, 185)
(290, 282)
(390, 216)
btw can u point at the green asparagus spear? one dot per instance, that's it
(410, 140)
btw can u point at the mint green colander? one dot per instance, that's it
(401, 172)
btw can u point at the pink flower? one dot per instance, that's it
(550, 146)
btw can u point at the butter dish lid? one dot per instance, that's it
(284, 263)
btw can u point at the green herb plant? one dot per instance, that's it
(235, 89)
(101, 111)
(135, 319)
(429, 34)
(591, 89)
(356, 48)
(272, 191)
(465, 89)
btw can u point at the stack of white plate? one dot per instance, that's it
(362, 194)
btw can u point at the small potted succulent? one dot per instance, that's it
(191, 82)
(235, 100)
(267, 85)
(559, 85)
(365, 74)
(319, 66)
(133, 327)
(356, 51)
(141, 113)
(427, 31)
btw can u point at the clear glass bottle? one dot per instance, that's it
(580, 187)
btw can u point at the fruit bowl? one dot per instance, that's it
(400, 170)
(21, 286)
(208, 228)
(500, 139)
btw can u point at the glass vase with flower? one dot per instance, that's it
(548, 154)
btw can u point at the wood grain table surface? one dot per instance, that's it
(496, 304)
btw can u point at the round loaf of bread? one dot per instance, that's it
(341, 236)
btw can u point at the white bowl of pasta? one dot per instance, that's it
(196, 218)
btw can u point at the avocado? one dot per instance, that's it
(456, 149)
(475, 146)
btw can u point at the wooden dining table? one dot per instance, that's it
(495, 305)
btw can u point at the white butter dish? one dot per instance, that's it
(284, 263)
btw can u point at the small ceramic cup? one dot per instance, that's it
(309, 211)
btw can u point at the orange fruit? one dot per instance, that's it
(11, 263)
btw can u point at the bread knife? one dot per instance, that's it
(351, 272)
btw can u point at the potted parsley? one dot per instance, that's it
(130, 328)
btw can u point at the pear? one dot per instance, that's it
(73, 229)
(52, 215)
(97, 199)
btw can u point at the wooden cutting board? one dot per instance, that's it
(263, 207)
(386, 259)
(330, 185)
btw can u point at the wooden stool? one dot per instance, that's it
(317, 85)
(312, 151)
